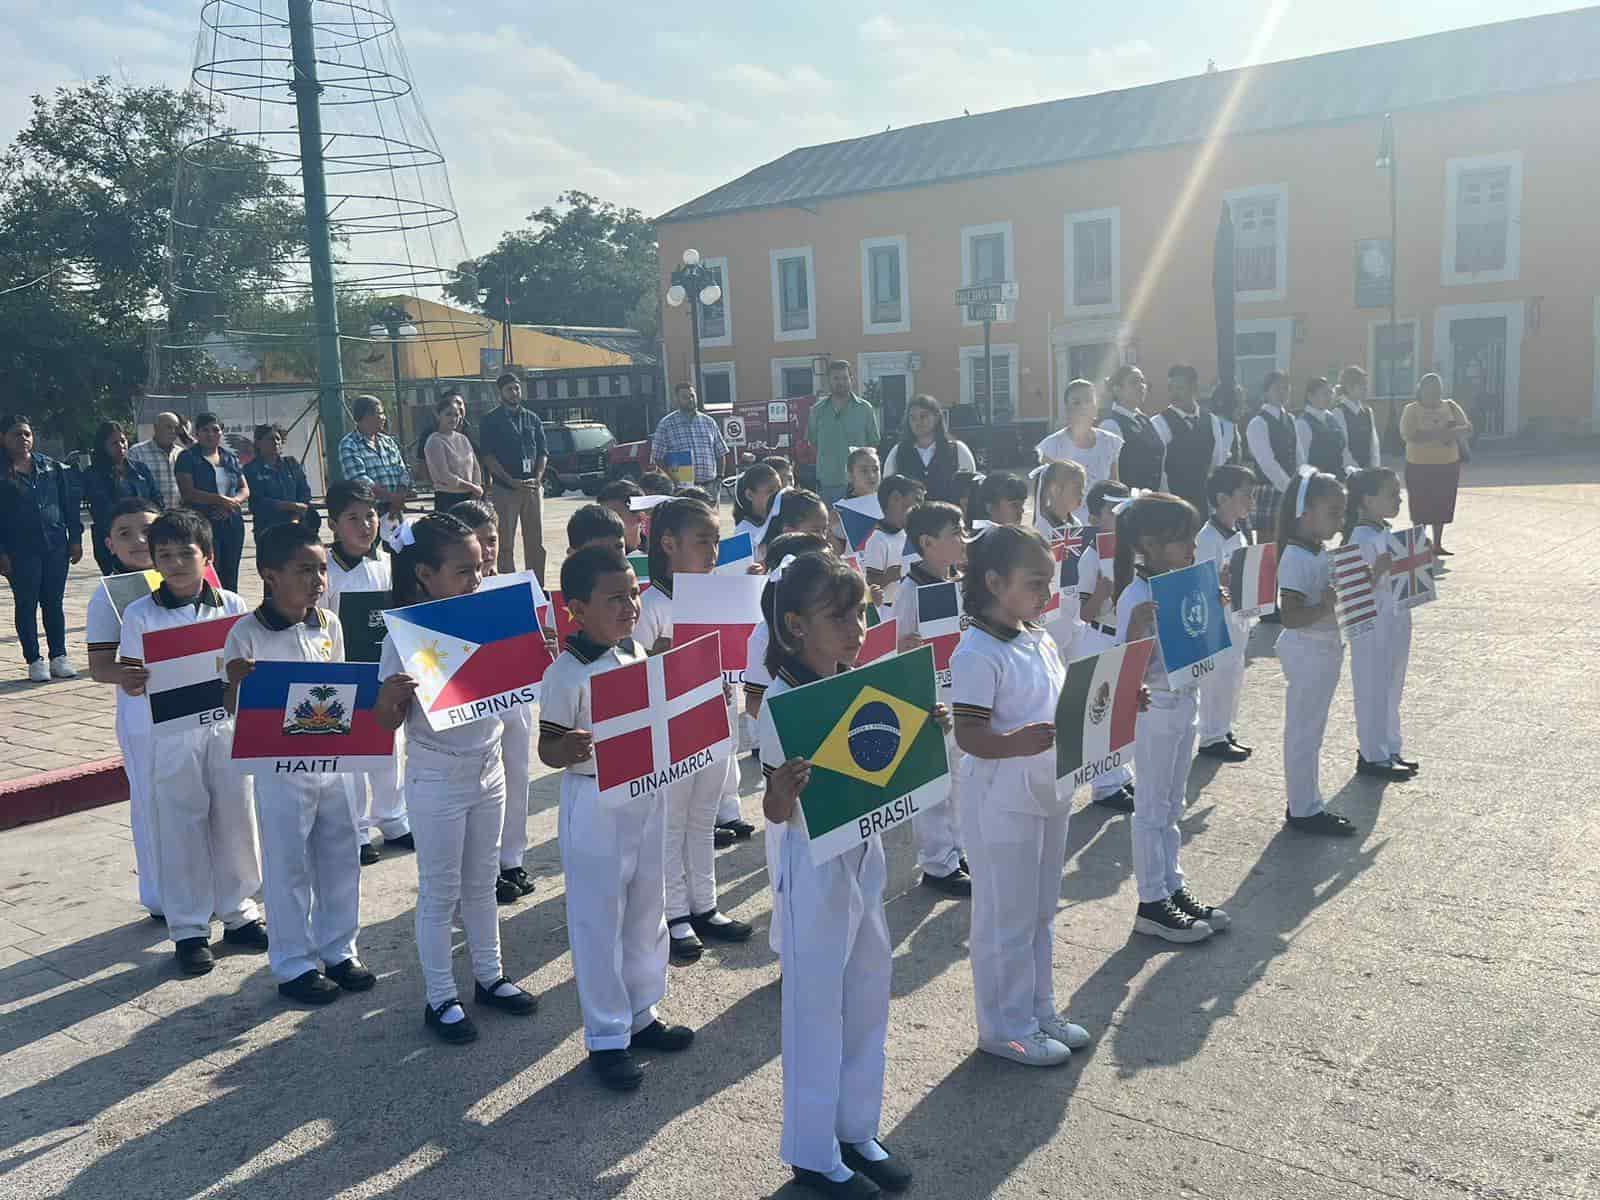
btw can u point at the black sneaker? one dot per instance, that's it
(313, 987)
(369, 854)
(1325, 823)
(506, 890)
(404, 842)
(857, 1187)
(667, 1039)
(957, 883)
(616, 1069)
(722, 837)
(251, 936)
(518, 1003)
(520, 877)
(1120, 800)
(1381, 770)
(1183, 900)
(739, 827)
(1224, 751)
(1163, 919)
(194, 956)
(719, 931)
(887, 1173)
(456, 1032)
(352, 975)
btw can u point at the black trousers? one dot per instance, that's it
(39, 581)
(227, 539)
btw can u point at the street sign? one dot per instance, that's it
(733, 431)
(988, 312)
(986, 293)
(777, 411)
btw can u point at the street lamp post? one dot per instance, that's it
(395, 322)
(694, 279)
(1387, 161)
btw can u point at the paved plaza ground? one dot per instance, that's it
(1409, 1013)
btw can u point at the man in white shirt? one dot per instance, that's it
(158, 454)
(1273, 446)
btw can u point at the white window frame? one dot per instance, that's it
(1013, 373)
(968, 232)
(1444, 363)
(1114, 215)
(808, 361)
(1453, 167)
(1372, 355)
(903, 325)
(1281, 191)
(1283, 348)
(726, 340)
(779, 333)
(722, 368)
(870, 364)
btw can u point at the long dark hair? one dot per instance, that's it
(1000, 548)
(1156, 516)
(813, 581)
(98, 458)
(1321, 484)
(758, 475)
(941, 430)
(431, 536)
(794, 506)
(673, 517)
(1362, 485)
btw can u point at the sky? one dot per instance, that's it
(650, 105)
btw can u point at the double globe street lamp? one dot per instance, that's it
(695, 279)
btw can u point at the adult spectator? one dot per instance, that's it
(41, 532)
(112, 476)
(687, 430)
(1096, 450)
(1432, 428)
(1230, 408)
(1271, 439)
(159, 453)
(928, 453)
(514, 456)
(1319, 435)
(211, 481)
(1139, 464)
(370, 454)
(1196, 441)
(279, 491)
(1356, 419)
(452, 462)
(838, 424)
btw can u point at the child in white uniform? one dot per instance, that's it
(1097, 613)
(836, 951)
(1231, 489)
(204, 823)
(882, 557)
(1057, 497)
(1309, 649)
(752, 500)
(456, 793)
(611, 853)
(125, 541)
(863, 474)
(1155, 534)
(309, 840)
(1008, 676)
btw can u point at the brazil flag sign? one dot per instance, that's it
(877, 756)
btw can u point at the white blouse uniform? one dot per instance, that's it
(1065, 623)
(1162, 752)
(937, 829)
(102, 629)
(1378, 661)
(1014, 826)
(885, 550)
(757, 680)
(1097, 635)
(1312, 657)
(611, 856)
(1219, 691)
(836, 968)
(310, 847)
(1097, 461)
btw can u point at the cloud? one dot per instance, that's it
(803, 81)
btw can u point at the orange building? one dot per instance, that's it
(1103, 210)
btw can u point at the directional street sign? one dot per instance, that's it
(986, 293)
(988, 312)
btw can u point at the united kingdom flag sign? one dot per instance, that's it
(1411, 571)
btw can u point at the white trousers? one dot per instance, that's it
(1399, 660)
(1220, 690)
(1162, 752)
(311, 870)
(1017, 860)
(728, 804)
(516, 745)
(616, 923)
(457, 806)
(141, 814)
(690, 861)
(936, 828)
(772, 840)
(381, 796)
(1093, 641)
(1369, 679)
(836, 964)
(1311, 667)
(205, 832)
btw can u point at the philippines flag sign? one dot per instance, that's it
(310, 718)
(1354, 591)
(660, 720)
(1411, 569)
(472, 656)
(939, 621)
(725, 604)
(186, 681)
(1099, 711)
(1253, 579)
(859, 517)
(1190, 623)
(123, 590)
(735, 554)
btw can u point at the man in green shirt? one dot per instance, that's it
(839, 421)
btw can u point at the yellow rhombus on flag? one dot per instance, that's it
(855, 746)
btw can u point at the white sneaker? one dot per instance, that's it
(60, 668)
(1073, 1037)
(1037, 1050)
(39, 671)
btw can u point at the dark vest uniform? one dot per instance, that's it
(1327, 443)
(1142, 450)
(1363, 433)
(1280, 434)
(938, 477)
(1189, 454)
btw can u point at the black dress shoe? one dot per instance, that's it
(887, 1173)
(957, 883)
(722, 837)
(404, 842)
(1233, 741)
(1224, 752)
(194, 956)
(369, 854)
(686, 949)
(857, 1187)
(739, 827)
(352, 975)
(251, 936)
(518, 1003)
(1381, 770)
(313, 987)
(1325, 823)
(719, 931)
(1120, 800)
(616, 1069)
(1409, 764)
(505, 890)
(520, 877)
(666, 1039)
(456, 1032)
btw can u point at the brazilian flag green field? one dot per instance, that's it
(877, 756)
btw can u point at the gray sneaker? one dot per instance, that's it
(1036, 1050)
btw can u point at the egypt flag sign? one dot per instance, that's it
(472, 656)
(658, 721)
(185, 665)
(310, 718)
(123, 590)
(1354, 591)
(939, 624)
(1098, 711)
(1190, 624)
(858, 517)
(1411, 570)
(877, 756)
(725, 604)
(1253, 579)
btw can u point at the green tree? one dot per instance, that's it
(586, 262)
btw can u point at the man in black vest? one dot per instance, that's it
(1270, 437)
(1195, 439)
(1360, 428)
(1143, 452)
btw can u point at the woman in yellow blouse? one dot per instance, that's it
(1433, 427)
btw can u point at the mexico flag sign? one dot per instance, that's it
(1098, 711)
(877, 757)
(658, 721)
(310, 718)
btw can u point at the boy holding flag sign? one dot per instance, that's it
(1222, 540)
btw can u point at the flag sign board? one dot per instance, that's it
(1355, 593)
(881, 640)
(361, 615)
(1411, 568)
(472, 656)
(858, 517)
(735, 554)
(725, 604)
(123, 590)
(1190, 623)
(186, 680)
(877, 756)
(679, 467)
(1253, 579)
(641, 569)
(1099, 710)
(310, 718)
(939, 622)
(658, 721)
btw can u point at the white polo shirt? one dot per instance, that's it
(564, 694)
(264, 636)
(102, 629)
(884, 550)
(369, 574)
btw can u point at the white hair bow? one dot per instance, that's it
(1307, 472)
(1133, 494)
(401, 537)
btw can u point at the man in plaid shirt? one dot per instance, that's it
(366, 452)
(158, 454)
(687, 429)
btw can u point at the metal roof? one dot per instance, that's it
(1442, 68)
(639, 347)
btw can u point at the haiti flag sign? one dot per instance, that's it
(1099, 711)
(310, 718)
(472, 656)
(877, 756)
(1190, 623)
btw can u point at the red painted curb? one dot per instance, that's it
(57, 793)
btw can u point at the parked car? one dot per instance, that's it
(579, 451)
